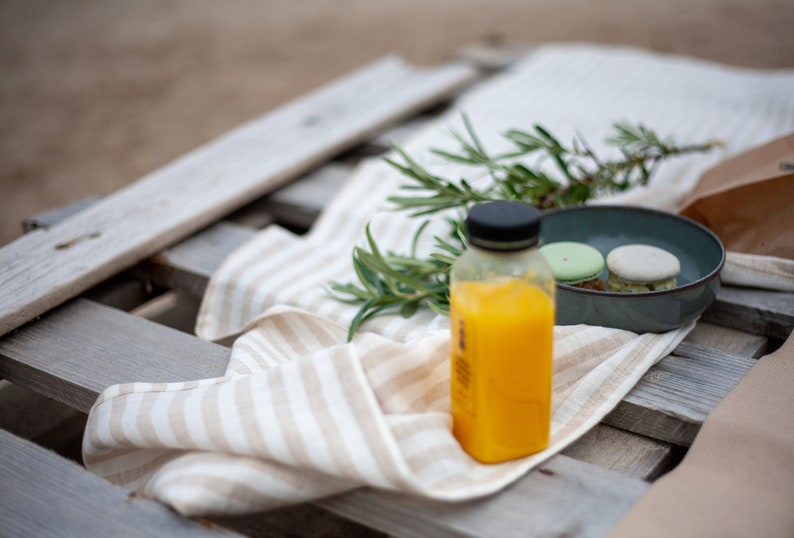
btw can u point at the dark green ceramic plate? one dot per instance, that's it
(605, 227)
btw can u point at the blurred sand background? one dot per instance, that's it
(94, 94)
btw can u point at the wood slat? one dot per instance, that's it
(770, 313)
(672, 400)
(564, 497)
(32, 416)
(188, 265)
(625, 452)
(44, 494)
(729, 340)
(77, 350)
(298, 204)
(46, 267)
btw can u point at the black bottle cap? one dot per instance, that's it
(503, 225)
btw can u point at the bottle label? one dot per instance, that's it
(463, 392)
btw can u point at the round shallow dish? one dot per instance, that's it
(605, 227)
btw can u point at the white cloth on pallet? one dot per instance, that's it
(301, 414)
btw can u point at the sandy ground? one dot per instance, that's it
(94, 94)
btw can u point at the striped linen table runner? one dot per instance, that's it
(301, 414)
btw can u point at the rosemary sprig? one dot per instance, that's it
(581, 174)
(399, 282)
(402, 282)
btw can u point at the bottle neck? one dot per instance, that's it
(482, 251)
(501, 247)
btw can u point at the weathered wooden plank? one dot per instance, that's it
(77, 350)
(298, 521)
(44, 494)
(401, 133)
(298, 204)
(74, 352)
(32, 416)
(625, 452)
(672, 400)
(173, 309)
(765, 312)
(729, 340)
(51, 217)
(564, 497)
(44, 268)
(188, 265)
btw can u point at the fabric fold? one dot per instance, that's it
(373, 412)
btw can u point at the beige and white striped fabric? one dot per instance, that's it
(302, 414)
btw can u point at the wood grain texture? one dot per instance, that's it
(298, 204)
(46, 267)
(29, 415)
(188, 265)
(672, 400)
(563, 497)
(769, 313)
(625, 452)
(44, 494)
(729, 340)
(77, 350)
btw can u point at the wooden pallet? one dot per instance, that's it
(95, 294)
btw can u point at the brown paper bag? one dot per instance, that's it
(748, 200)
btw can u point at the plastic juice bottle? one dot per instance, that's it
(502, 321)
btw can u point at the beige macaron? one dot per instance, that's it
(639, 268)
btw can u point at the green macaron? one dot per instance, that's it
(574, 264)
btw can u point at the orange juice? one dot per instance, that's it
(501, 367)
